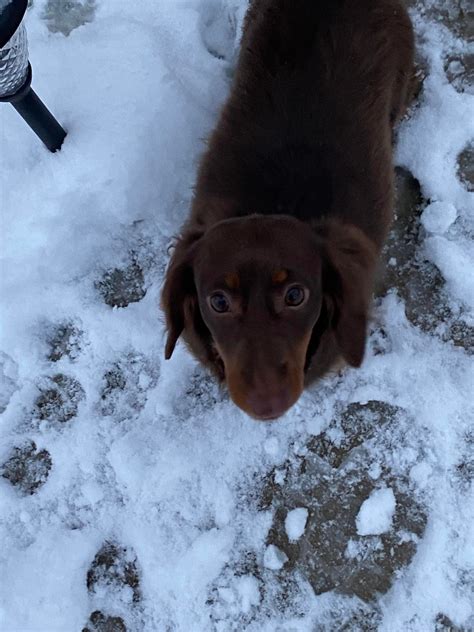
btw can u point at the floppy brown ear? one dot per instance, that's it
(178, 291)
(348, 270)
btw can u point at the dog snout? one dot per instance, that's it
(266, 405)
(264, 382)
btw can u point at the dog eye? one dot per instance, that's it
(219, 302)
(294, 296)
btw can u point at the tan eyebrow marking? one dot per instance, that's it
(279, 276)
(232, 281)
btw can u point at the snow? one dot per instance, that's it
(295, 522)
(375, 470)
(248, 591)
(8, 379)
(438, 217)
(272, 446)
(155, 457)
(376, 513)
(274, 558)
(451, 257)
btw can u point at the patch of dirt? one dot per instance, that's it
(358, 423)
(360, 452)
(63, 16)
(465, 466)
(99, 622)
(456, 15)
(27, 468)
(245, 594)
(121, 286)
(417, 281)
(466, 167)
(460, 72)
(461, 335)
(115, 566)
(59, 399)
(444, 624)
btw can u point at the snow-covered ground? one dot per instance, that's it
(134, 495)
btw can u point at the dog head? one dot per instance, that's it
(253, 295)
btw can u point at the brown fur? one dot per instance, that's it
(297, 180)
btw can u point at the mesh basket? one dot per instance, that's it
(14, 63)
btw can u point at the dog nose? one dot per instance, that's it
(268, 406)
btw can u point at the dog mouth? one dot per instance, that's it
(267, 418)
(267, 407)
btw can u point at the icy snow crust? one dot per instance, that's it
(133, 490)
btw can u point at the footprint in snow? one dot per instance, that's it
(121, 286)
(58, 400)
(63, 16)
(99, 622)
(64, 340)
(125, 385)
(27, 468)
(115, 568)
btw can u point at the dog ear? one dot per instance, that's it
(349, 259)
(179, 290)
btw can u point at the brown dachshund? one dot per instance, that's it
(271, 280)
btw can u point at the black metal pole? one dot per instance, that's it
(40, 119)
(27, 103)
